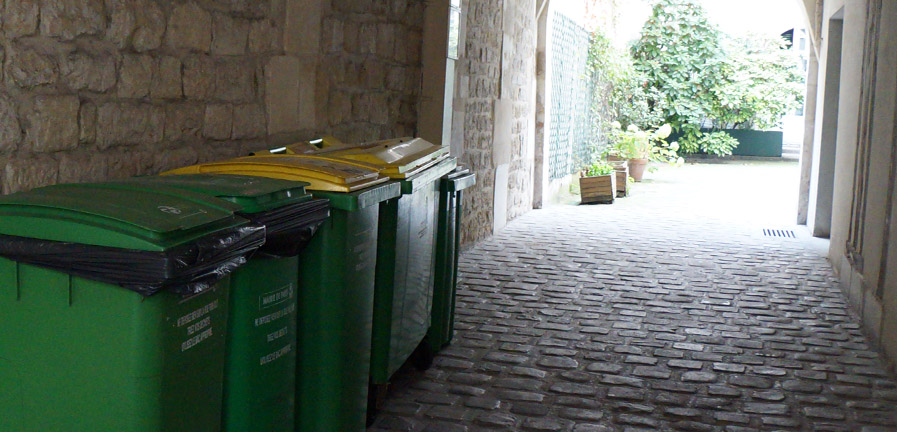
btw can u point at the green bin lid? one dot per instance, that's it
(103, 215)
(252, 194)
(428, 176)
(362, 199)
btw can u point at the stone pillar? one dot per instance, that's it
(543, 102)
(806, 155)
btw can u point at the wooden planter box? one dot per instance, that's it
(598, 190)
(622, 178)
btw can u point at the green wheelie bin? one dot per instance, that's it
(260, 371)
(113, 306)
(406, 249)
(448, 247)
(406, 245)
(336, 279)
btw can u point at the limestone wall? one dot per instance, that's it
(94, 89)
(495, 93)
(518, 86)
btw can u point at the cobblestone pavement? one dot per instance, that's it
(669, 310)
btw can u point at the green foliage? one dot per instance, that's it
(694, 73)
(598, 169)
(762, 82)
(635, 143)
(619, 90)
(715, 143)
(681, 56)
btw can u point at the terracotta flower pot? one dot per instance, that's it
(637, 168)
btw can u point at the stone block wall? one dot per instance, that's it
(371, 73)
(94, 89)
(480, 68)
(494, 82)
(518, 70)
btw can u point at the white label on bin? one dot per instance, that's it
(277, 335)
(197, 314)
(275, 316)
(276, 355)
(196, 340)
(170, 210)
(362, 250)
(274, 298)
(205, 323)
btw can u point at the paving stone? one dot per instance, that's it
(567, 388)
(783, 422)
(769, 396)
(851, 392)
(594, 428)
(496, 420)
(514, 395)
(683, 412)
(750, 382)
(485, 403)
(729, 367)
(699, 377)
(823, 413)
(625, 393)
(605, 367)
(649, 372)
(691, 426)
(629, 419)
(802, 386)
(685, 364)
(450, 413)
(765, 408)
(622, 380)
(579, 402)
(542, 424)
(642, 360)
(558, 362)
(529, 409)
(581, 414)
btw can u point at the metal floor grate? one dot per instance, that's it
(778, 233)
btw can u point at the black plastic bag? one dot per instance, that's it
(291, 228)
(186, 270)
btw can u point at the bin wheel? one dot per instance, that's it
(423, 356)
(376, 395)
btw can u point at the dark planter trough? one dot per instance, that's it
(751, 142)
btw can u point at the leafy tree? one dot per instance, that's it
(762, 82)
(681, 56)
(697, 74)
(620, 94)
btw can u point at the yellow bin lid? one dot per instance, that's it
(322, 174)
(397, 158)
(325, 144)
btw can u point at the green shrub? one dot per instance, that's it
(599, 169)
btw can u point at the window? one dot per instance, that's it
(454, 36)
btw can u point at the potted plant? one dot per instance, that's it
(639, 147)
(598, 184)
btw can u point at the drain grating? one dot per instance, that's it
(779, 233)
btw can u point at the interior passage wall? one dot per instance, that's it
(94, 89)
(863, 241)
(495, 98)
